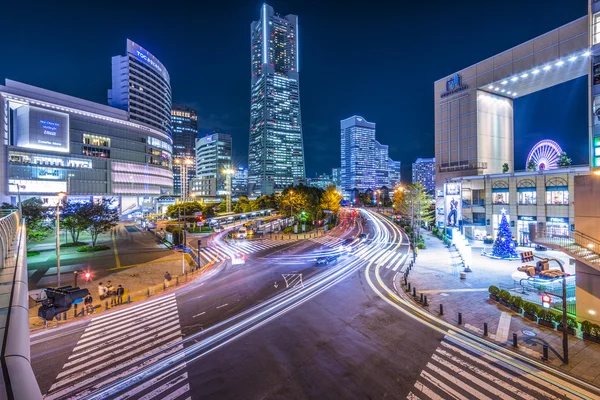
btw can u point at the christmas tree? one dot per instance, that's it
(504, 246)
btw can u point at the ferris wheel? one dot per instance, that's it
(545, 154)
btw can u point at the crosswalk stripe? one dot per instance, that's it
(426, 391)
(457, 381)
(438, 383)
(383, 255)
(404, 257)
(129, 310)
(151, 382)
(164, 388)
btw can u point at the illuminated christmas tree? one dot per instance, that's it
(504, 245)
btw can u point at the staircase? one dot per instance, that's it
(578, 245)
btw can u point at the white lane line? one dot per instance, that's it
(426, 391)
(141, 314)
(223, 305)
(503, 327)
(170, 396)
(393, 260)
(153, 302)
(197, 315)
(151, 382)
(441, 385)
(404, 257)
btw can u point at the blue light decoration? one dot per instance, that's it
(504, 245)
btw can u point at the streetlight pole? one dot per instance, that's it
(60, 197)
(228, 172)
(291, 204)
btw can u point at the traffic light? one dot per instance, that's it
(59, 300)
(546, 299)
(527, 256)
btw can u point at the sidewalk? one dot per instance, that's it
(436, 274)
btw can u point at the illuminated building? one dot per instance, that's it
(184, 121)
(423, 172)
(358, 154)
(142, 87)
(394, 173)
(213, 156)
(59, 143)
(276, 150)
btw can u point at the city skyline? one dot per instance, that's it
(226, 77)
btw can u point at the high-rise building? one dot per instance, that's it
(381, 165)
(213, 156)
(423, 171)
(336, 177)
(184, 121)
(358, 155)
(322, 181)
(142, 87)
(276, 150)
(239, 182)
(394, 173)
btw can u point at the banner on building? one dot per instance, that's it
(452, 204)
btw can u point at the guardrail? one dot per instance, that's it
(18, 380)
(577, 244)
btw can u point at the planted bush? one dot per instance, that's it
(571, 322)
(590, 329)
(531, 308)
(546, 315)
(89, 249)
(504, 295)
(516, 301)
(493, 290)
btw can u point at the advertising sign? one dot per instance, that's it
(452, 204)
(145, 56)
(37, 128)
(30, 186)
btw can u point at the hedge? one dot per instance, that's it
(531, 308)
(591, 329)
(516, 301)
(493, 290)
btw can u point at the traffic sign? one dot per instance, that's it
(198, 213)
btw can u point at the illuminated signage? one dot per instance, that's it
(47, 173)
(31, 186)
(209, 139)
(454, 85)
(558, 220)
(522, 218)
(142, 54)
(38, 128)
(148, 60)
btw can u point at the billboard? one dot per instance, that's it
(34, 186)
(452, 204)
(37, 128)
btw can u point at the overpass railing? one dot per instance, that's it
(18, 380)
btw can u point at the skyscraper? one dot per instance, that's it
(381, 165)
(358, 154)
(276, 150)
(142, 87)
(394, 173)
(213, 156)
(423, 171)
(184, 121)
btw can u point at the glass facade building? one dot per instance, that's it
(276, 150)
(184, 121)
(57, 143)
(213, 156)
(141, 86)
(423, 171)
(358, 155)
(394, 173)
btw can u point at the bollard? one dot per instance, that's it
(409, 286)
(460, 318)
(441, 309)
(414, 292)
(128, 299)
(426, 304)
(515, 340)
(485, 329)
(421, 298)
(65, 316)
(176, 281)
(106, 305)
(545, 354)
(148, 292)
(74, 310)
(405, 281)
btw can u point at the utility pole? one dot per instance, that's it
(60, 197)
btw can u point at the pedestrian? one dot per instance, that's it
(87, 302)
(110, 290)
(102, 291)
(120, 293)
(167, 279)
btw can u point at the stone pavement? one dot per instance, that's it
(436, 274)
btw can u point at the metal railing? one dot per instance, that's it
(18, 380)
(576, 244)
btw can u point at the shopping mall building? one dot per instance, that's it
(57, 143)
(474, 139)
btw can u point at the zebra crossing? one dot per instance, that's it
(117, 344)
(224, 252)
(330, 241)
(456, 372)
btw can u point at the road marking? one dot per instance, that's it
(401, 261)
(197, 315)
(223, 305)
(117, 260)
(453, 290)
(503, 327)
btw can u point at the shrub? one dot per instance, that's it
(288, 230)
(33, 253)
(504, 295)
(590, 329)
(493, 290)
(546, 315)
(516, 301)
(531, 308)
(89, 249)
(73, 244)
(571, 322)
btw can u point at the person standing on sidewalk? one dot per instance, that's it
(87, 302)
(167, 279)
(120, 293)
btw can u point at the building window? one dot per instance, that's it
(557, 197)
(527, 197)
(596, 29)
(500, 198)
(96, 140)
(94, 152)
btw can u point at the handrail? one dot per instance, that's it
(538, 233)
(15, 358)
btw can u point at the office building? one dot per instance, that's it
(59, 143)
(381, 165)
(336, 177)
(321, 181)
(423, 172)
(276, 150)
(142, 87)
(239, 183)
(184, 121)
(394, 173)
(357, 155)
(213, 157)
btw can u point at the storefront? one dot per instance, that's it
(523, 230)
(557, 226)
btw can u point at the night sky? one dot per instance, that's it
(377, 59)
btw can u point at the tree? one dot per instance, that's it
(414, 203)
(531, 165)
(330, 200)
(264, 202)
(36, 219)
(564, 161)
(293, 201)
(187, 208)
(223, 206)
(365, 199)
(74, 219)
(505, 168)
(7, 206)
(101, 217)
(504, 245)
(242, 205)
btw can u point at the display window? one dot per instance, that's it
(527, 198)
(557, 197)
(500, 198)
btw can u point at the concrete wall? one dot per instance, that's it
(587, 206)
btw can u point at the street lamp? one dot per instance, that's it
(228, 172)
(291, 205)
(61, 195)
